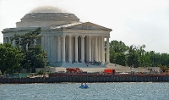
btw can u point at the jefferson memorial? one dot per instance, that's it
(64, 37)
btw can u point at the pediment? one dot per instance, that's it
(87, 26)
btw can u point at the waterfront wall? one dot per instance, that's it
(88, 79)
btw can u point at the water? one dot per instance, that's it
(96, 91)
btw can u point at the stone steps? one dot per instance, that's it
(81, 65)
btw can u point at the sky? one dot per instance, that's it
(134, 22)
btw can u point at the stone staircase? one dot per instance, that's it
(81, 65)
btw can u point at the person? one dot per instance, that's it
(81, 86)
(85, 86)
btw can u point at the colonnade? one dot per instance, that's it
(73, 48)
(13, 42)
(8, 40)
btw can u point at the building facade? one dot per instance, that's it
(64, 37)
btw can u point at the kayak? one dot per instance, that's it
(84, 86)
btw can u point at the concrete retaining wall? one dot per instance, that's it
(90, 79)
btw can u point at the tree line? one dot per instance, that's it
(136, 56)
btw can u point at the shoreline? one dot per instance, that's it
(88, 79)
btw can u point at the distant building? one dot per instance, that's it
(64, 37)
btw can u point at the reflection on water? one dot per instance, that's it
(96, 91)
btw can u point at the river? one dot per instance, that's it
(96, 91)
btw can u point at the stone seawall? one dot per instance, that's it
(89, 79)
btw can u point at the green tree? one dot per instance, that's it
(120, 59)
(112, 55)
(10, 58)
(147, 61)
(118, 46)
(133, 57)
(35, 56)
(117, 52)
(27, 40)
(152, 58)
(136, 55)
(141, 53)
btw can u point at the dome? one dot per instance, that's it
(47, 17)
(48, 9)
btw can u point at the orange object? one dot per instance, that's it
(73, 70)
(109, 71)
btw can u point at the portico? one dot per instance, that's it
(75, 48)
(76, 43)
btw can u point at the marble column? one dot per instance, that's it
(42, 41)
(96, 49)
(99, 49)
(76, 48)
(63, 48)
(70, 49)
(4, 40)
(48, 47)
(46, 44)
(55, 49)
(59, 49)
(9, 40)
(13, 42)
(52, 48)
(92, 48)
(107, 49)
(89, 48)
(86, 49)
(34, 44)
(103, 50)
(82, 48)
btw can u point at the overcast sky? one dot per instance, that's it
(135, 22)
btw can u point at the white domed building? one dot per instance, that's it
(64, 37)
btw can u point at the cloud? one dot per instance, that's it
(133, 21)
(151, 29)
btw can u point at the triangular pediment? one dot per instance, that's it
(87, 26)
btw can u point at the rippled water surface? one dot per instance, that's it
(96, 91)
